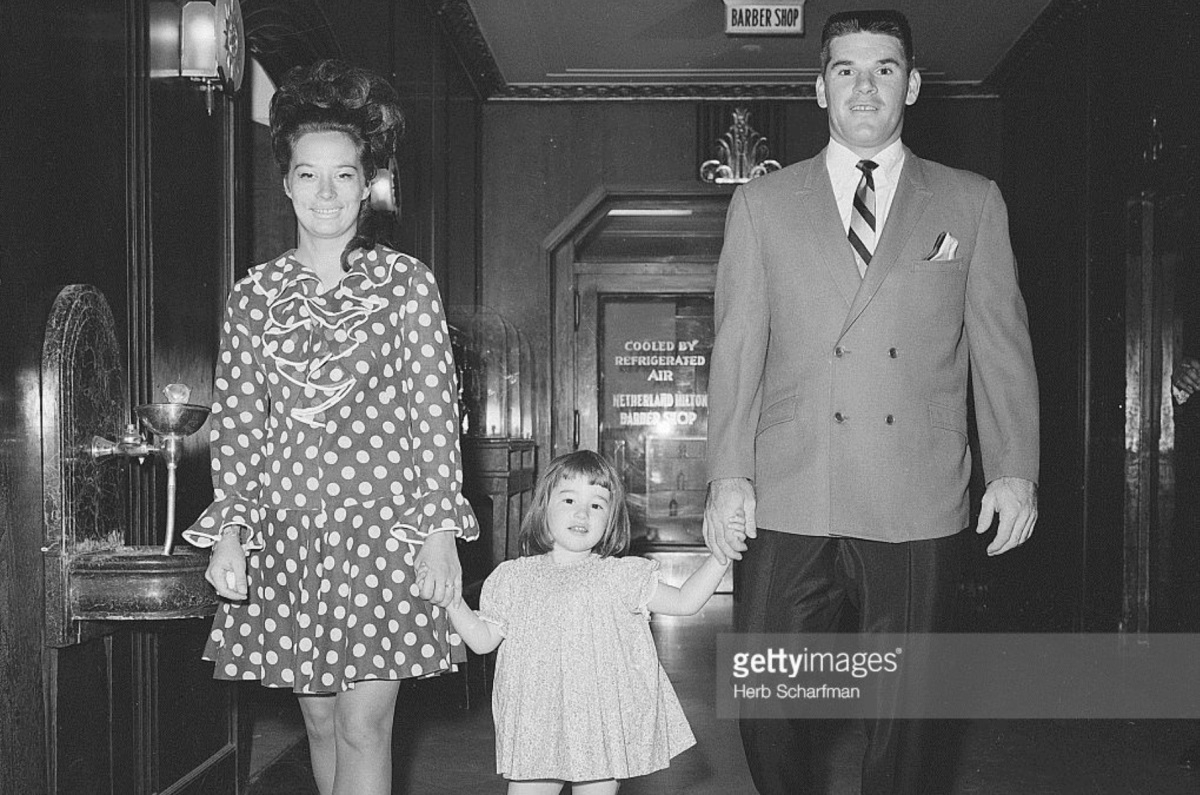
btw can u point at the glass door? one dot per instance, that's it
(644, 346)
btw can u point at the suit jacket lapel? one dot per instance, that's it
(908, 204)
(825, 226)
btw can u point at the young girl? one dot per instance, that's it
(579, 693)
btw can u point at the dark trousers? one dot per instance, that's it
(796, 584)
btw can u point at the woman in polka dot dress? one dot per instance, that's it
(335, 451)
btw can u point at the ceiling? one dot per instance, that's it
(663, 48)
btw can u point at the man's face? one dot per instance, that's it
(865, 88)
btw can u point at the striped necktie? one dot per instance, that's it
(862, 216)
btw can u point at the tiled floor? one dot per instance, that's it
(443, 747)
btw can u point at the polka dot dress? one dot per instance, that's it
(335, 449)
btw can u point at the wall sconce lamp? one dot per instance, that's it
(200, 41)
(385, 189)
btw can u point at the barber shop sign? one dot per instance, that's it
(780, 18)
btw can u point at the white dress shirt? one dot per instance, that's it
(844, 173)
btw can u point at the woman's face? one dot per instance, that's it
(326, 185)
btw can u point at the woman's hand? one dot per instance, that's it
(439, 574)
(227, 568)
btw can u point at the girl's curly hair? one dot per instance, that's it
(334, 96)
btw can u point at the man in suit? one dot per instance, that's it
(854, 293)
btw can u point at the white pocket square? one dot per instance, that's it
(945, 247)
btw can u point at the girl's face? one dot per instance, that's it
(577, 516)
(326, 185)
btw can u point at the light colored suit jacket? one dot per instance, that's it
(844, 399)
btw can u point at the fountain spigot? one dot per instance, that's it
(130, 445)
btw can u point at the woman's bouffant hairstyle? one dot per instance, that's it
(534, 537)
(333, 96)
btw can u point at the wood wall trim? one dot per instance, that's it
(139, 332)
(556, 92)
(462, 31)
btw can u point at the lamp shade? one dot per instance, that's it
(164, 39)
(198, 34)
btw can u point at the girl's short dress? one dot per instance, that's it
(579, 693)
(335, 450)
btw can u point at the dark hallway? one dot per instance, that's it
(551, 210)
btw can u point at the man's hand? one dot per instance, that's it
(1015, 499)
(439, 574)
(1185, 380)
(729, 518)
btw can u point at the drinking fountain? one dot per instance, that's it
(170, 423)
(93, 579)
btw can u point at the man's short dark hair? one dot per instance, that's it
(887, 22)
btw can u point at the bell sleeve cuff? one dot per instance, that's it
(230, 512)
(437, 513)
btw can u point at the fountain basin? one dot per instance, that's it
(139, 583)
(172, 419)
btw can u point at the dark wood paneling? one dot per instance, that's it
(188, 689)
(1045, 122)
(1076, 121)
(273, 225)
(1108, 148)
(22, 752)
(62, 69)
(461, 202)
(83, 719)
(185, 289)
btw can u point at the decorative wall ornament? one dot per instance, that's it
(742, 155)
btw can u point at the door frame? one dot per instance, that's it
(557, 400)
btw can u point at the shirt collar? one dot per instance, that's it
(840, 160)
